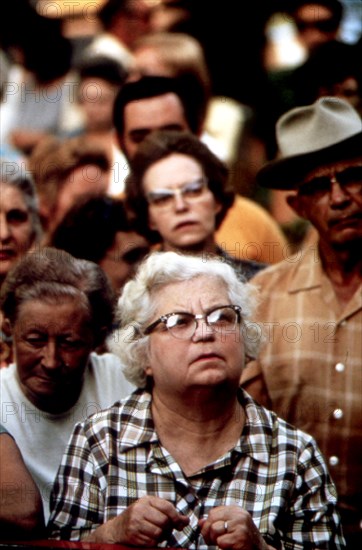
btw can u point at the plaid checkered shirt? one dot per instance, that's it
(275, 472)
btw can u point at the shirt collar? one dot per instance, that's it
(138, 429)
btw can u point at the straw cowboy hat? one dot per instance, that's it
(327, 131)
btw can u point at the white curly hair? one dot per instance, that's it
(138, 303)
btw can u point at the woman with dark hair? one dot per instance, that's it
(179, 190)
(98, 229)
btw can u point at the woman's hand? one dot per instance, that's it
(147, 522)
(231, 527)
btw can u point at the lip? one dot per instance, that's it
(346, 220)
(47, 380)
(6, 254)
(206, 357)
(185, 224)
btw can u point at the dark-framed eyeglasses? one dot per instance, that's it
(349, 179)
(164, 198)
(182, 324)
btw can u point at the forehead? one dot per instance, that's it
(195, 295)
(94, 88)
(332, 168)
(313, 11)
(172, 170)
(155, 113)
(125, 241)
(53, 315)
(11, 197)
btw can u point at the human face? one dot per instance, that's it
(147, 61)
(185, 224)
(333, 208)
(83, 180)
(96, 97)
(132, 21)
(123, 257)
(141, 117)
(52, 343)
(16, 233)
(315, 25)
(208, 358)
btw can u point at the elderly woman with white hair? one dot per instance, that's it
(189, 459)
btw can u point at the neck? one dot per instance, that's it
(196, 408)
(54, 404)
(343, 267)
(198, 429)
(209, 246)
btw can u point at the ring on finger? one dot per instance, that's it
(226, 526)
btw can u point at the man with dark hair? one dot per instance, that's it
(164, 103)
(186, 92)
(309, 370)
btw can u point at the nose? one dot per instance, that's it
(179, 201)
(51, 358)
(338, 196)
(203, 331)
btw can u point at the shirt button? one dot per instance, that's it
(333, 460)
(339, 367)
(190, 498)
(338, 414)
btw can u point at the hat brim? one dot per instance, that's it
(288, 173)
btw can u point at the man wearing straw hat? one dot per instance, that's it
(310, 367)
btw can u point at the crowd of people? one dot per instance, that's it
(180, 276)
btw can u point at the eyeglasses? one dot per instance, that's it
(164, 198)
(182, 324)
(349, 179)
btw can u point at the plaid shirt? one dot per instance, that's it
(311, 364)
(274, 471)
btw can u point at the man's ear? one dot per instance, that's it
(296, 204)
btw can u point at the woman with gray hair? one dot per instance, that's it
(19, 216)
(59, 311)
(189, 459)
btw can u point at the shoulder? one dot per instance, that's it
(129, 411)
(3, 430)
(106, 370)
(280, 436)
(279, 271)
(297, 266)
(8, 379)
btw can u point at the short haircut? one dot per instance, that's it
(189, 90)
(52, 160)
(88, 230)
(106, 68)
(51, 274)
(138, 303)
(12, 174)
(161, 144)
